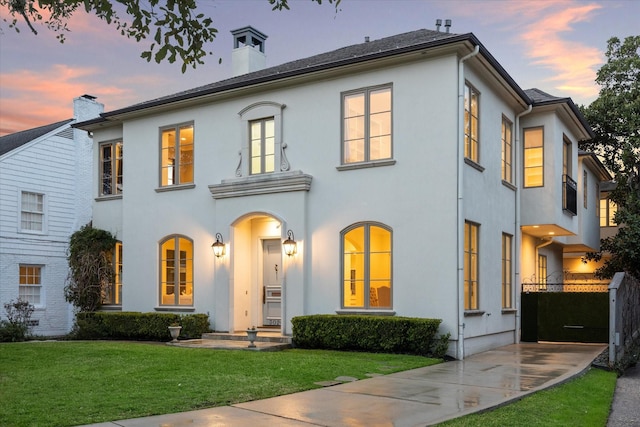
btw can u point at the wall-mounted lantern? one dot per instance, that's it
(290, 245)
(218, 246)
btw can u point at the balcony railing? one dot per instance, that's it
(569, 195)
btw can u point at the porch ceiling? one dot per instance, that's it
(578, 248)
(545, 230)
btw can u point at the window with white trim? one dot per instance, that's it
(262, 148)
(367, 266)
(176, 271)
(32, 216)
(30, 283)
(111, 168)
(366, 125)
(176, 157)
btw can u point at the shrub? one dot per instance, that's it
(137, 326)
(17, 326)
(369, 333)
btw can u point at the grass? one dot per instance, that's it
(71, 383)
(584, 401)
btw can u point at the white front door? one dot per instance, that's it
(271, 282)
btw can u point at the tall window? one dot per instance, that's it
(366, 116)
(542, 270)
(471, 123)
(471, 266)
(585, 187)
(110, 168)
(113, 291)
(31, 211)
(177, 155)
(607, 212)
(533, 157)
(507, 299)
(507, 152)
(176, 271)
(262, 146)
(30, 283)
(366, 266)
(566, 157)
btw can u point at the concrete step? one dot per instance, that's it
(265, 336)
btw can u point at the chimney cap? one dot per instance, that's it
(248, 36)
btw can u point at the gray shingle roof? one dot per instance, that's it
(12, 141)
(540, 97)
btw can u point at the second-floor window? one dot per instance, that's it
(366, 125)
(111, 168)
(533, 157)
(507, 152)
(32, 212)
(176, 156)
(262, 146)
(608, 210)
(471, 123)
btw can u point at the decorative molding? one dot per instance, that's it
(284, 162)
(175, 187)
(239, 168)
(364, 165)
(261, 184)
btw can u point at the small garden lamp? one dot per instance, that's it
(290, 245)
(218, 246)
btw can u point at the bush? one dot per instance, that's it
(17, 326)
(369, 333)
(137, 326)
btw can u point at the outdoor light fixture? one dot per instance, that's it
(218, 246)
(290, 245)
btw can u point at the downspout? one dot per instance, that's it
(460, 210)
(517, 238)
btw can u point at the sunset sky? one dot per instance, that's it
(554, 45)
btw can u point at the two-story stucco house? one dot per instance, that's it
(414, 175)
(45, 195)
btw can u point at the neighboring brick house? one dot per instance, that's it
(45, 195)
(414, 174)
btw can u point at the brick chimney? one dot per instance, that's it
(248, 51)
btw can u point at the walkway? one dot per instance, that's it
(625, 409)
(418, 397)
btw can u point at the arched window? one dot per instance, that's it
(367, 266)
(176, 271)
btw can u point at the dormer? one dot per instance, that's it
(248, 51)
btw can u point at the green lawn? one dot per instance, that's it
(71, 383)
(584, 401)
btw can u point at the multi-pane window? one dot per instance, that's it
(30, 283)
(507, 152)
(176, 271)
(471, 274)
(542, 270)
(31, 211)
(507, 289)
(113, 291)
(366, 116)
(366, 266)
(111, 168)
(471, 123)
(262, 145)
(176, 155)
(533, 157)
(608, 210)
(566, 157)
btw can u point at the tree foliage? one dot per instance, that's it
(615, 119)
(175, 27)
(90, 267)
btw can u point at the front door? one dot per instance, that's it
(271, 282)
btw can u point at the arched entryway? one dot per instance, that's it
(257, 273)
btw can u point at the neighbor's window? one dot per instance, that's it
(366, 122)
(471, 123)
(366, 266)
(177, 155)
(507, 299)
(542, 270)
(31, 211)
(30, 283)
(176, 271)
(608, 210)
(262, 146)
(507, 152)
(110, 168)
(113, 291)
(533, 157)
(471, 263)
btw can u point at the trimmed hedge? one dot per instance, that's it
(368, 333)
(137, 326)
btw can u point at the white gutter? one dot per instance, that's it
(460, 210)
(517, 238)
